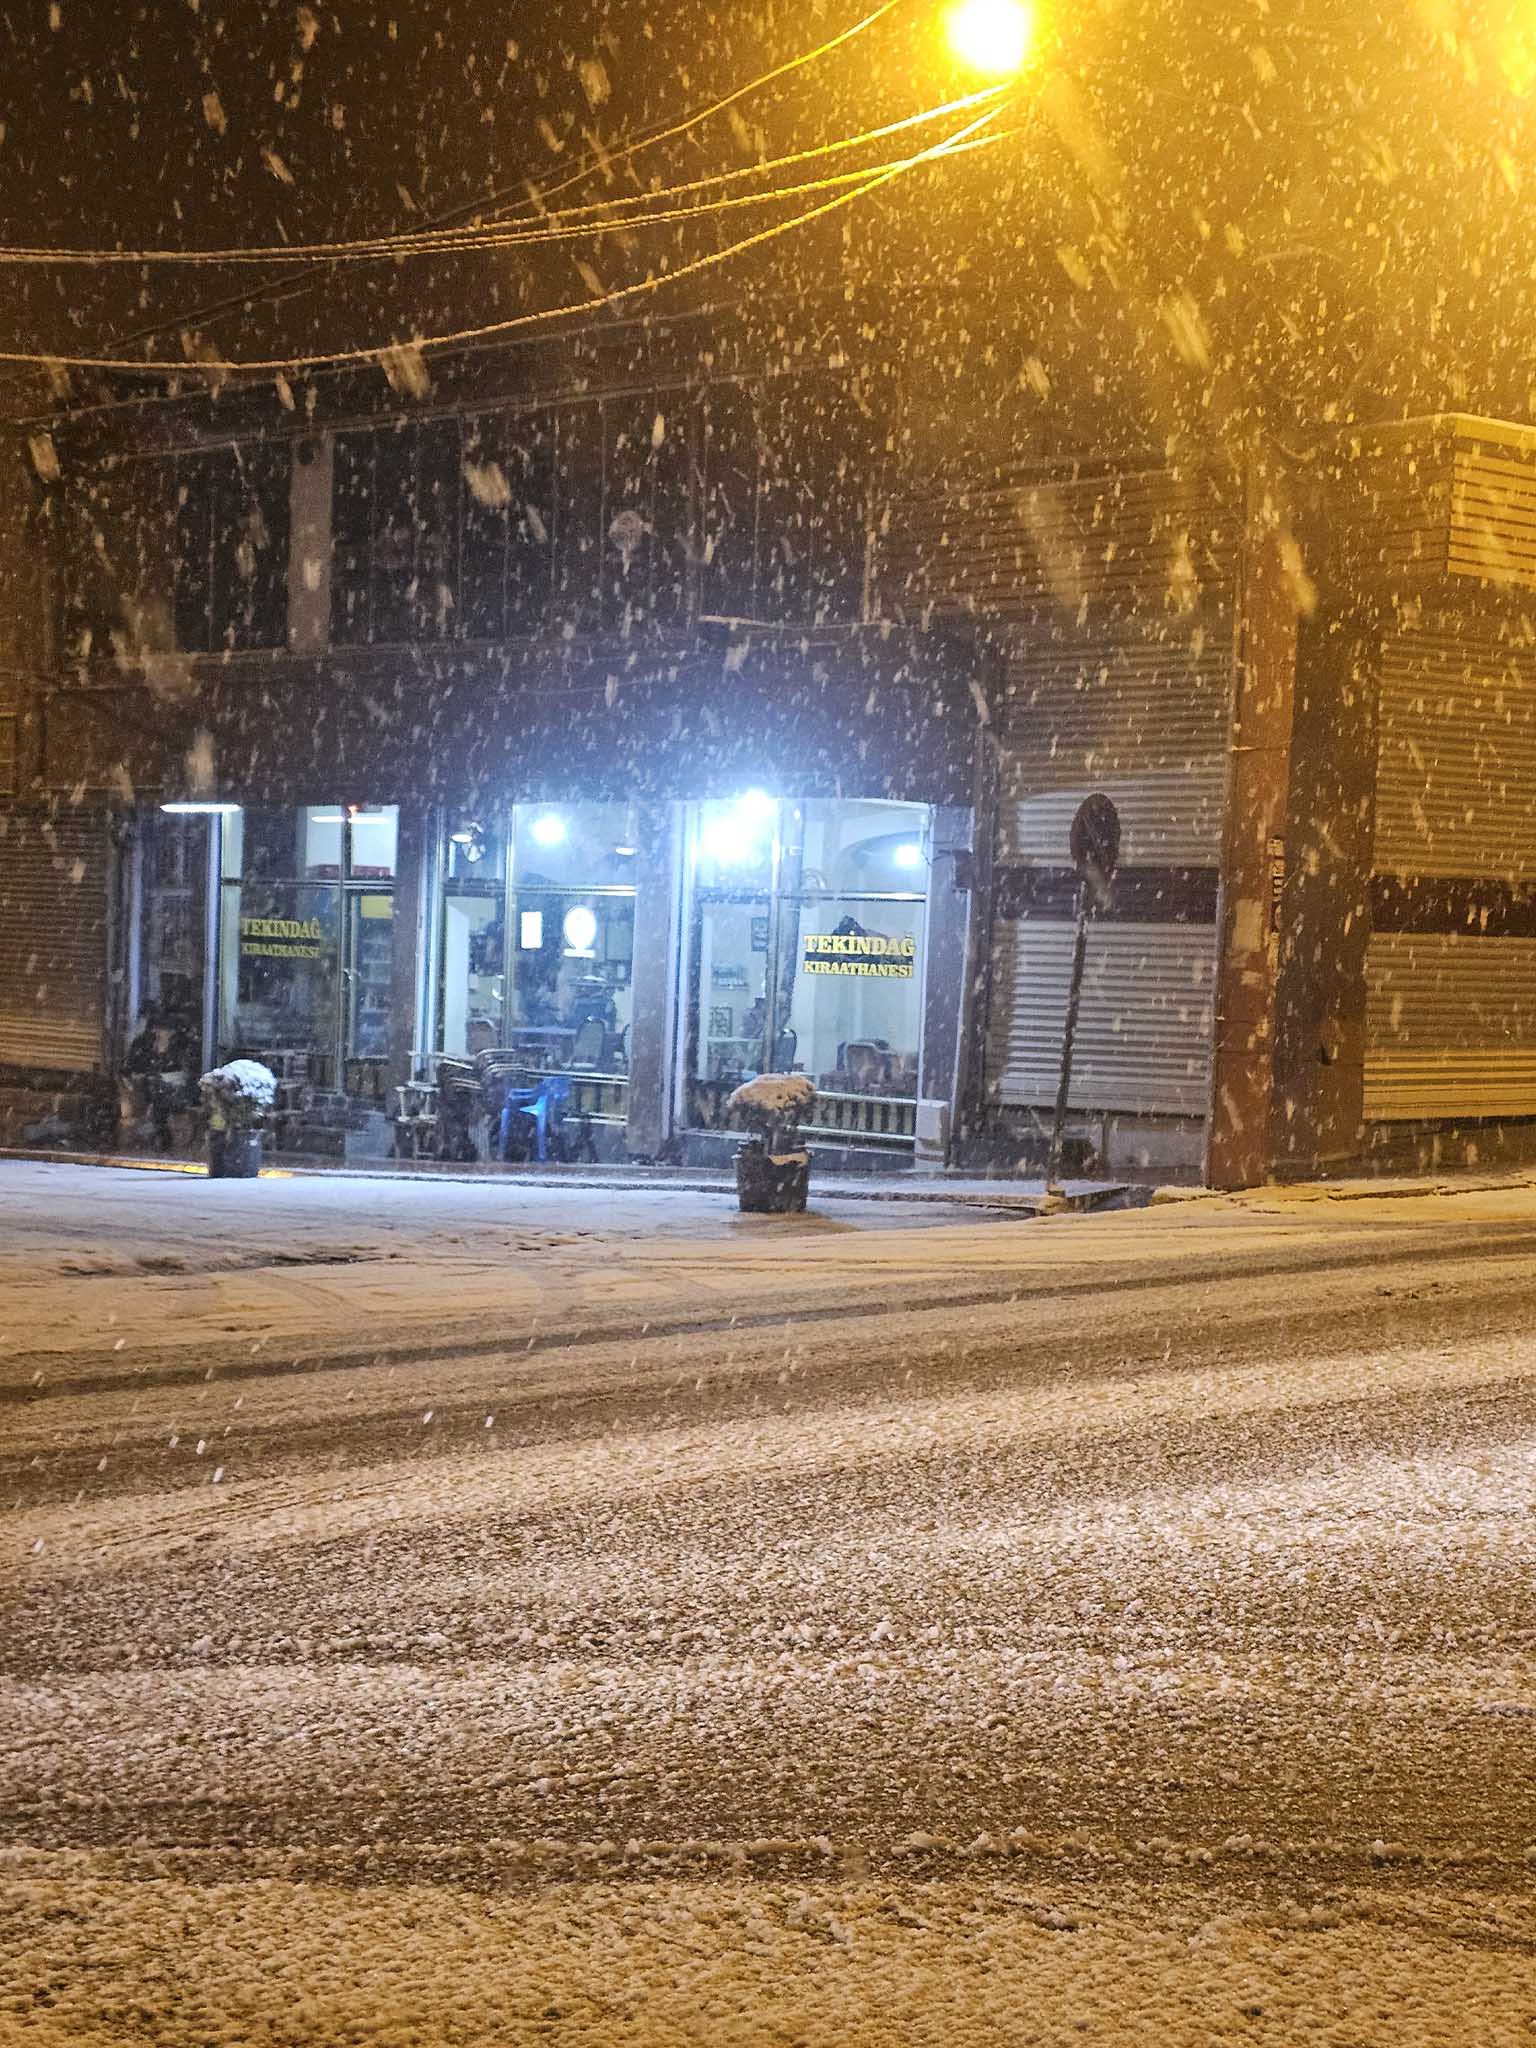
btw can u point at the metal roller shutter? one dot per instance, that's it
(53, 938)
(1450, 1026)
(1142, 717)
(1456, 781)
(1144, 1031)
(1145, 541)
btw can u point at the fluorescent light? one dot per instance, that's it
(731, 842)
(199, 810)
(530, 930)
(757, 804)
(908, 854)
(550, 830)
(626, 852)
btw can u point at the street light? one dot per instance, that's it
(992, 36)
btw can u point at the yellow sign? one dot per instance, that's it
(868, 954)
(281, 938)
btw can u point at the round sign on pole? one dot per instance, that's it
(1095, 840)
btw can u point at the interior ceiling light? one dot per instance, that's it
(550, 830)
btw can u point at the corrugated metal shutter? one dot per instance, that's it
(1144, 1031)
(1456, 782)
(1149, 541)
(53, 938)
(1142, 717)
(1447, 497)
(1450, 1026)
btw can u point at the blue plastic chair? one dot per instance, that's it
(542, 1105)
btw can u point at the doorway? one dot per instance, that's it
(306, 943)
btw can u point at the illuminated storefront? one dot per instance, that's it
(653, 955)
(805, 952)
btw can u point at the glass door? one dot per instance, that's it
(280, 973)
(370, 835)
(306, 942)
(368, 974)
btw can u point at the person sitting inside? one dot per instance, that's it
(161, 1070)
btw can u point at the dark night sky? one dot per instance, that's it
(1304, 208)
(227, 123)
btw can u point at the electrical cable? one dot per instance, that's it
(300, 281)
(741, 92)
(556, 227)
(398, 350)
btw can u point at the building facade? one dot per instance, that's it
(667, 732)
(563, 727)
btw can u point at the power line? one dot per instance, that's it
(565, 224)
(301, 279)
(386, 352)
(719, 106)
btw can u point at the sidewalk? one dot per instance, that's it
(909, 1185)
(129, 1265)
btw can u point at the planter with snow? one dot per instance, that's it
(773, 1167)
(237, 1097)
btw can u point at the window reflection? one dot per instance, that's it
(807, 938)
(538, 938)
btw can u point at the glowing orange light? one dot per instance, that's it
(992, 36)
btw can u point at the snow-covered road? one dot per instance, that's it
(1109, 1630)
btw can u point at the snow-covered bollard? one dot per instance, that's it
(237, 1097)
(773, 1167)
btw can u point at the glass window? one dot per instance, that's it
(231, 537)
(477, 850)
(735, 843)
(272, 842)
(572, 960)
(306, 939)
(571, 957)
(538, 949)
(279, 974)
(175, 877)
(474, 968)
(323, 825)
(732, 946)
(807, 940)
(590, 845)
(852, 930)
(375, 839)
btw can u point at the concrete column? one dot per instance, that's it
(946, 959)
(309, 546)
(1254, 854)
(974, 994)
(1326, 927)
(413, 968)
(654, 983)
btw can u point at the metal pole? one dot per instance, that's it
(1074, 998)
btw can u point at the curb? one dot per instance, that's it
(647, 1180)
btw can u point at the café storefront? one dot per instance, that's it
(655, 955)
